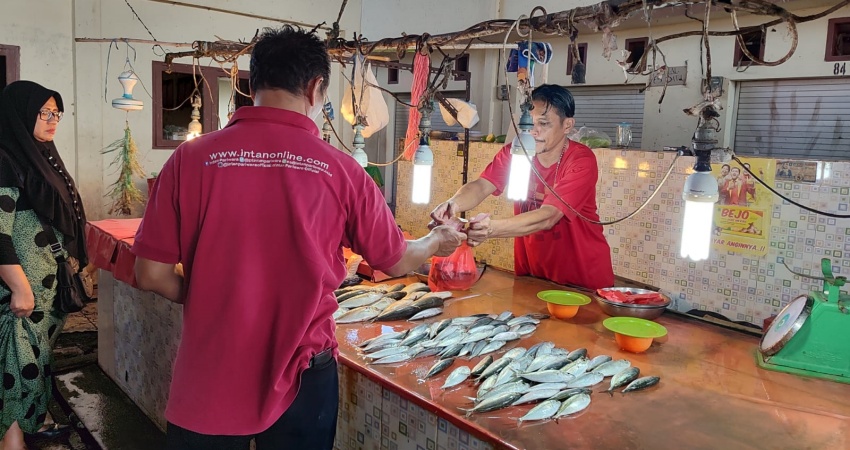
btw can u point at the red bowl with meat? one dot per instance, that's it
(632, 302)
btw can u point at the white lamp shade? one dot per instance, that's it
(421, 184)
(700, 194)
(520, 176)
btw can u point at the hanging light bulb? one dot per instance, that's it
(522, 150)
(195, 128)
(700, 194)
(423, 162)
(359, 154)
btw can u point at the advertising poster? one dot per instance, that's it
(742, 214)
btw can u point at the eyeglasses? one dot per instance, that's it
(46, 115)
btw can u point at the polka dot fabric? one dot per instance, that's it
(25, 343)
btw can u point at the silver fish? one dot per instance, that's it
(450, 352)
(492, 347)
(415, 335)
(507, 375)
(464, 321)
(396, 287)
(339, 313)
(520, 364)
(533, 396)
(452, 339)
(445, 295)
(361, 314)
(392, 335)
(586, 380)
(525, 329)
(577, 353)
(505, 316)
(382, 344)
(383, 303)
(548, 376)
(598, 361)
(505, 336)
(440, 366)
(547, 361)
(362, 300)
(448, 331)
(415, 287)
(413, 296)
(538, 316)
(515, 352)
(457, 377)
(495, 368)
(397, 358)
(518, 386)
(494, 403)
(543, 348)
(578, 367)
(427, 352)
(475, 337)
(522, 320)
(387, 352)
(545, 410)
(548, 386)
(563, 395)
(612, 368)
(426, 313)
(623, 378)
(479, 368)
(350, 294)
(557, 351)
(573, 405)
(467, 349)
(499, 329)
(393, 296)
(477, 348)
(641, 383)
(437, 327)
(481, 329)
(486, 386)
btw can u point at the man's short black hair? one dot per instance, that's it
(558, 97)
(288, 58)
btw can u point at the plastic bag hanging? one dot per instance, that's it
(368, 100)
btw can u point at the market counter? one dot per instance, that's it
(711, 395)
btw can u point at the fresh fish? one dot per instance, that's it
(486, 386)
(481, 321)
(415, 335)
(453, 339)
(598, 361)
(437, 327)
(445, 295)
(339, 313)
(525, 329)
(505, 336)
(387, 352)
(350, 294)
(475, 337)
(563, 395)
(427, 352)
(641, 383)
(464, 321)
(451, 352)
(557, 351)
(440, 366)
(383, 303)
(505, 316)
(545, 410)
(577, 367)
(522, 320)
(448, 331)
(392, 335)
(428, 302)
(519, 386)
(612, 368)
(382, 344)
(413, 296)
(520, 364)
(397, 358)
(347, 289)
(515, 352)
(361, 314)
(548, 386)
(492, 347)
(481, 329)
(399, 305)
(396, 288)
(494, 403)
(577, 353)
(479, 368)
(547, 361)
(467, 349)
(495, 368)
(533, 396)
(538, 316)
(414, 287)
(549, 376)
(477, 348)
(498, 329)
(543, 348)
(573, 405)
(623, 378)
(506, 376)
(426, 313)
(586, 380)
(457, 377)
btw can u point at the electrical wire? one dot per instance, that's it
(543, 181)
(809, 209)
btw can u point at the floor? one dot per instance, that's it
(110, 420)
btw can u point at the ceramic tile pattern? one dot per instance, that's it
(373, 418)
(645, 248)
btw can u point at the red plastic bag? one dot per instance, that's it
(456, 272)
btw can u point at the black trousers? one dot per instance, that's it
(310, 423)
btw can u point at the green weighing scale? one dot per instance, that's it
(811, 335)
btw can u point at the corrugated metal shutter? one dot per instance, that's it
(437, 122)
(800, 118)
(603, 107)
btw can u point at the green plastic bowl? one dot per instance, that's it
(633, 334)
(563, 304)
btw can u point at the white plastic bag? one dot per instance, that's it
(370, 101)
(467, 113)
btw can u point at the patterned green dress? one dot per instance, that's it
(26, 343)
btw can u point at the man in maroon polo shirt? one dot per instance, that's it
(258, 214)
(552, 242)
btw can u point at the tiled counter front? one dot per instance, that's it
(374, 418)
(645, 248)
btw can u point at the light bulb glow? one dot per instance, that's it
(421, 184)
(696, 230)
(520, 176)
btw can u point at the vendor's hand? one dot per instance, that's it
(479, 230)
(442, 214)
(448, 238)
(23, 303)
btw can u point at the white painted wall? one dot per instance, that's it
(388, 18)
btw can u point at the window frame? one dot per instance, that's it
(739, 54)
(831, 35)
(570, 58)
(13, 62)
(628, 43)
(209, 92)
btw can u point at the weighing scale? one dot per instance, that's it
(811, 335)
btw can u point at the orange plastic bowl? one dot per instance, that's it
(632, 344)
(562, 311)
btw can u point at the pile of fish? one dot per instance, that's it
(388, 302)
(447, 339)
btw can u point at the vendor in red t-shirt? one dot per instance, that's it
(552, 242)
(258, 214)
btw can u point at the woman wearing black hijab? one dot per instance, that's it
(33, 184)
